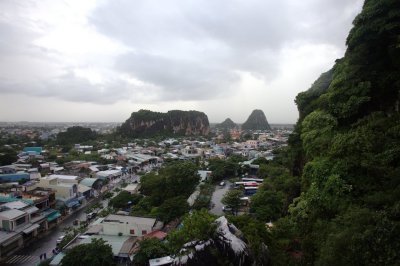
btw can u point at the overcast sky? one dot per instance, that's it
(88, 60)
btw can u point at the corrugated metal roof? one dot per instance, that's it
(12, 214)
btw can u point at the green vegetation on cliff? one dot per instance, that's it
(146, 123)
(227, 124)
(345, 155)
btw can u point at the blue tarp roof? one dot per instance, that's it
(14, 177)
(33, 149)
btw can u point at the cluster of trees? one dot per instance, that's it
(124, 199)
(76, 134)
(197, 226)
(222, 169)
(96, 253)
(344, 155)
(7, 157)
(166, 192)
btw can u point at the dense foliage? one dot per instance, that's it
(124, 199)
(346, 151)
(166, 191)
(226, 124)
(232, 200)
(196, 226)
(150, 249)
(75, 135)
(95, 253)
(222, 169)
(145, 123)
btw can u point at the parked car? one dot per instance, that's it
(83, 236)
(91, 215)
(226, 208)
(222, 184)
(58, 241)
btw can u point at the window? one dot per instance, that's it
(144, 232)
(132, 231)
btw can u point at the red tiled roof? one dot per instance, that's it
(156, 234)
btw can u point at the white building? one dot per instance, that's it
(128, 225)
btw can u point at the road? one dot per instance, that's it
(216, 198)
(29, 255)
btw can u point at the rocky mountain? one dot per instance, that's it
(227, 124)
(256, 121)
(147, 123)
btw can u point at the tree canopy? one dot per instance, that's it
(345, 151)
(76, 135)
(96, 253)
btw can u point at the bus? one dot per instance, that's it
(246, 184)
(238, 184)
(248, 179)
(249, 191)
(251, 184)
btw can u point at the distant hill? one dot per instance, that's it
(76, 134)
(256, 121)
(227, 124)
(147, 123)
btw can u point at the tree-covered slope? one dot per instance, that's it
(346, 150)
(227, 124)
(76, 134)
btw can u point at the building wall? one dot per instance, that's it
(64, 192)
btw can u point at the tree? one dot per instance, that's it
(177, 178)
(267, 205)
(8, 158)
(224, 168)
(197, 226)
(93, 254)
(76, 134)
(150, 249)
(172, 208)
(232, 199)
(256, 235)
(124, 198)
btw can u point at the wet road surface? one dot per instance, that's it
(219, 192)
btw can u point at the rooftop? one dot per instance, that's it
(11, 214)
(129, 219)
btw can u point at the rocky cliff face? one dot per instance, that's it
(147, 123)
(256, 121)
(227, 124)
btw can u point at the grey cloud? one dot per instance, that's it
(181, 79)
(249, 34)
(72, 88)
(182, 50)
